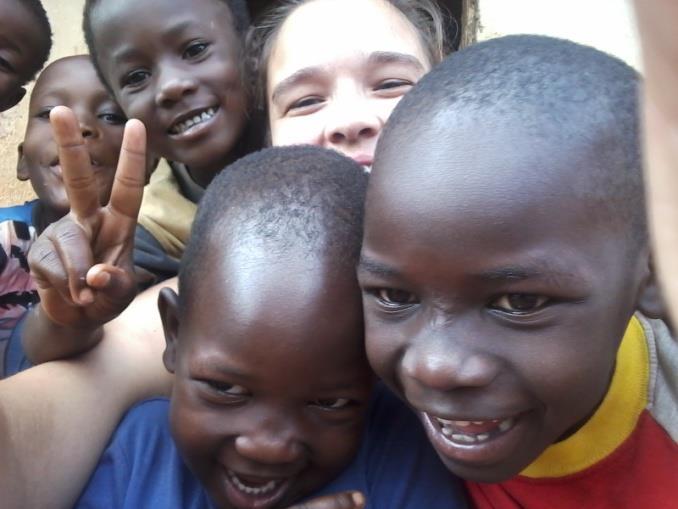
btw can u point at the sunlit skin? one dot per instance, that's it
(271, 379)
(70, 82)
(335, 90)
(493, 292)
(169, 61)
(20, 41)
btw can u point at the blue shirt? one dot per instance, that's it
(395, 468)
(21, 213)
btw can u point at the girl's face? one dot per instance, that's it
(336, 71)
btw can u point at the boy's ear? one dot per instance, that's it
(168, 304)
(650, 301)
(21, 167)
(13, 99)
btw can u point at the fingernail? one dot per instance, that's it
(86, 296)
(358, 498)
(103, 279)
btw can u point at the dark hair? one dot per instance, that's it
(557, 90)
(299, 196)
(425, 15)
(238, 9)
(36, 8)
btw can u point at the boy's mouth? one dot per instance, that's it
(479, 442)
(246, 492)
(192, 121)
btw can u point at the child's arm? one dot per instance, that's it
(657, 22)
(82, 264)
(55, 419)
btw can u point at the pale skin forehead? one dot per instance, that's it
(342, 28)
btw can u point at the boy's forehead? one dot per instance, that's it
(465, 161)
(65, 74)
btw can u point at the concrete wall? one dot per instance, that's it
(605, 24)
(65, 17)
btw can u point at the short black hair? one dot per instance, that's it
(559, 91)
(299, 196)
(36, 8)
(239, 12)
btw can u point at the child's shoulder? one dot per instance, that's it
(141, 466)
(22, 213)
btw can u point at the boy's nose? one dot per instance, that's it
(173, 89)
(437, 361)
(269, 448)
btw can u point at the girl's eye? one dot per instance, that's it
(226, 389)
(391, 84)
(306, 102)
(135, 78)
(519, 303)
(396, 299)
(195, 49)
(112, 118)
(332, 403)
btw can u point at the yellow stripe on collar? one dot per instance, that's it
(614, 420)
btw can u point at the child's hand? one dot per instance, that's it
(345, 500)
(82, 264)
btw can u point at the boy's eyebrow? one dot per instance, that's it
(129, 51)
(376, 58)
(208, 365)
(377, 268)
(9, 44)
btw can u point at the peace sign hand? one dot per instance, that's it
(82, 264)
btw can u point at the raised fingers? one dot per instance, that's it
(74, 159)
(130, 177)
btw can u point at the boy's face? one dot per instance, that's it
(174, 65)
(70, 82)
(495, 299)
(271, 382)
(20, 41)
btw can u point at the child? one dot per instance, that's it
(175, 66)
(265, 340)
(25, 43)
(505, 268)
(72, 82)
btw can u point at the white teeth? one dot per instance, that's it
(506, 424)
(482, 437)
(197, 119)
(261, 490)
(469, 439)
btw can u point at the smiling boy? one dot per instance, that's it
(25, 43)
(500, 301)
(271, 384)
(176, 66)
(71, 82)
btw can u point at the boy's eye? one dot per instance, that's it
(226, 389)
(135, 78)
(519, 303)
(44, 113)
(5, 66)
(333, 403)
(112, 118)
(195, 49)
(395, 299)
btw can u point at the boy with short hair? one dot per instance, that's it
(25, 43)
(71, 82)
(504, 301)
(176, 66)
(271, 385)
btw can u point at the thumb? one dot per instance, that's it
(114, 281)
(345, 500)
